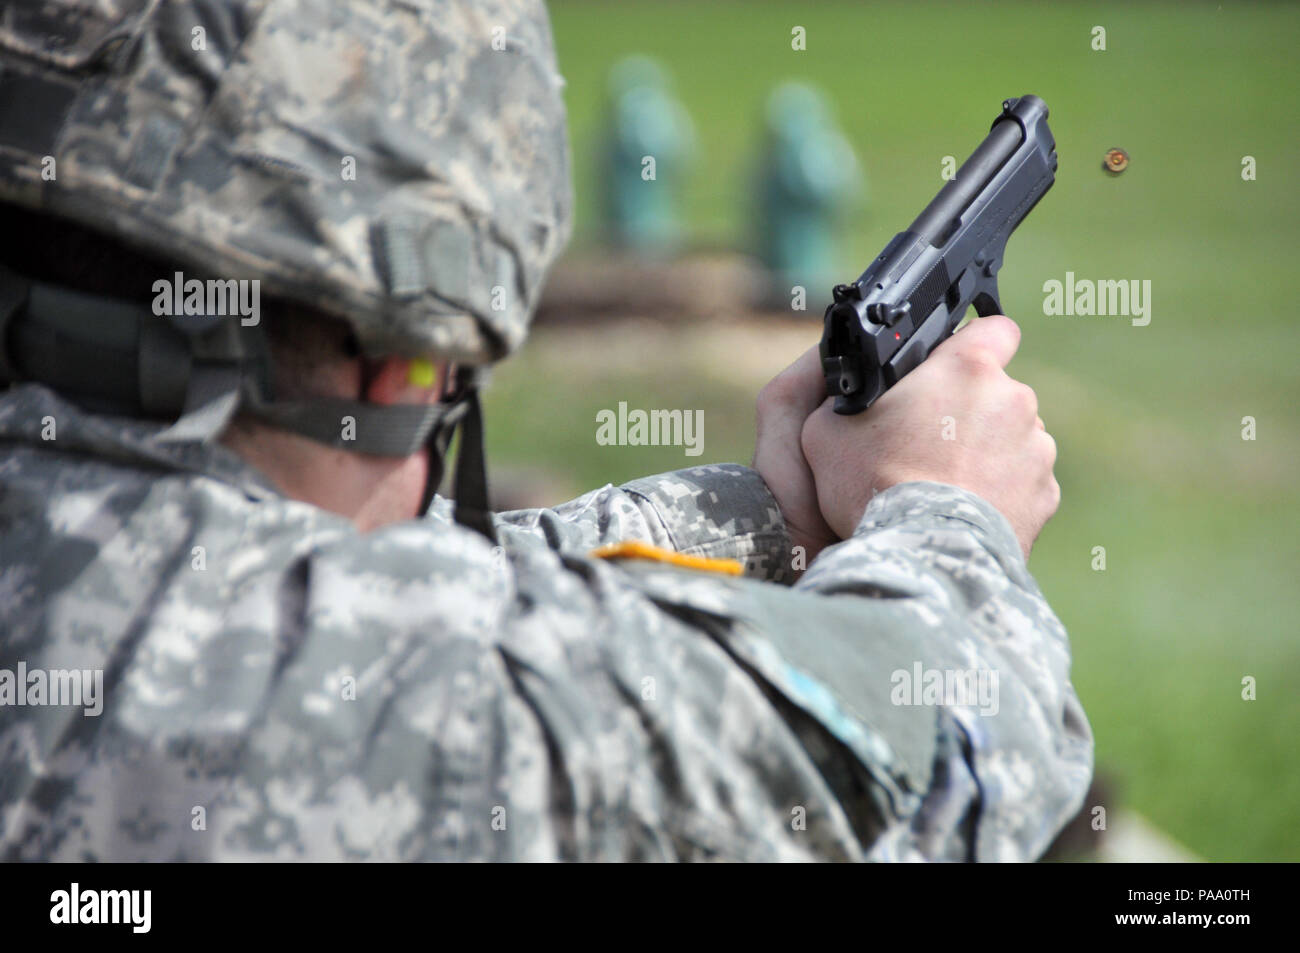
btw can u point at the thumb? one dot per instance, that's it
(800, 388)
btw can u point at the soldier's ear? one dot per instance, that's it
(402, 380)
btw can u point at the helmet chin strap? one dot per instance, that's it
(399, 430)
(201, 372)
(470, 486)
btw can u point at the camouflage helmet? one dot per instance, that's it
(401, 164)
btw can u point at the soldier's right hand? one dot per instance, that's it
(956, 419)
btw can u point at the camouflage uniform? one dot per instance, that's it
(509, 686)
(281, 686)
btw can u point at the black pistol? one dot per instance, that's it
(911, 298)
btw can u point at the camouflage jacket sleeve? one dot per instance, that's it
(921, 645)
(982, 651)
(916, 684)
(720, 511)
(922, 672)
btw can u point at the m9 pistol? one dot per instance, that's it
(911, 298)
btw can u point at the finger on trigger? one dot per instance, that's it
(997, 334)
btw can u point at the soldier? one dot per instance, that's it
(304, 652)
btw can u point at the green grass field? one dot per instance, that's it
(1202, 585)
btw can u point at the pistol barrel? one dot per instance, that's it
(943, 215)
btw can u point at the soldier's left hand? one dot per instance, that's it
(783, 406)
